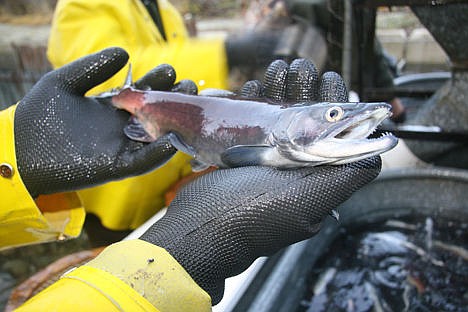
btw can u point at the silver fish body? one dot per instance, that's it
(228, 132)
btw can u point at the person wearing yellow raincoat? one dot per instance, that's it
(57, 140)
(83, 27)
(153, 33)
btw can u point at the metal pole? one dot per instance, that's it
(347, 43)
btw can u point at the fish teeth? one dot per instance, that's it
(334, 214)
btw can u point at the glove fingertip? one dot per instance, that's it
(302, 81)
(275, 80)
(332, 88)
(157, 153)
(91, 70)
(140, 158)
(162, 78)
(367, 169)
(252, 89)
(185, 86)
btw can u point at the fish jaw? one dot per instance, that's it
(342, 151)
(346, 140)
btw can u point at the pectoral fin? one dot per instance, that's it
(301, 158)
(264, 155)
(246, 155)
(134, 130)
(198, 166)
(178, 143)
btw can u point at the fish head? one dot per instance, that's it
(337, 133)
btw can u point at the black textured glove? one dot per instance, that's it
(66, 141)
(219, 224)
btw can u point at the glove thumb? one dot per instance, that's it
(89, 71)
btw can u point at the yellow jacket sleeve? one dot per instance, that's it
(81, 27)
(127, 276)
(24, 220)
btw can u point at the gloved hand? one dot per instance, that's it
(66, 141)
(220, 223)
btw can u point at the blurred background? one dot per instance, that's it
(24, 26)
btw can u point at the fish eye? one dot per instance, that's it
(334, 113)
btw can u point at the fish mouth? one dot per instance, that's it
(361, 126)
(348, 140)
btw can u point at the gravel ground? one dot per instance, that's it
(16, 265)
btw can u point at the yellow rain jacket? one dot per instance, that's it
(24, 220)
(81, 27)
(131, 275)
(127, 276)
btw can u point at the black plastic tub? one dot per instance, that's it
(401, 193)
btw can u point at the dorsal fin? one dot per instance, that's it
(128, 80)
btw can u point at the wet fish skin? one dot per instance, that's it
(230, 132)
